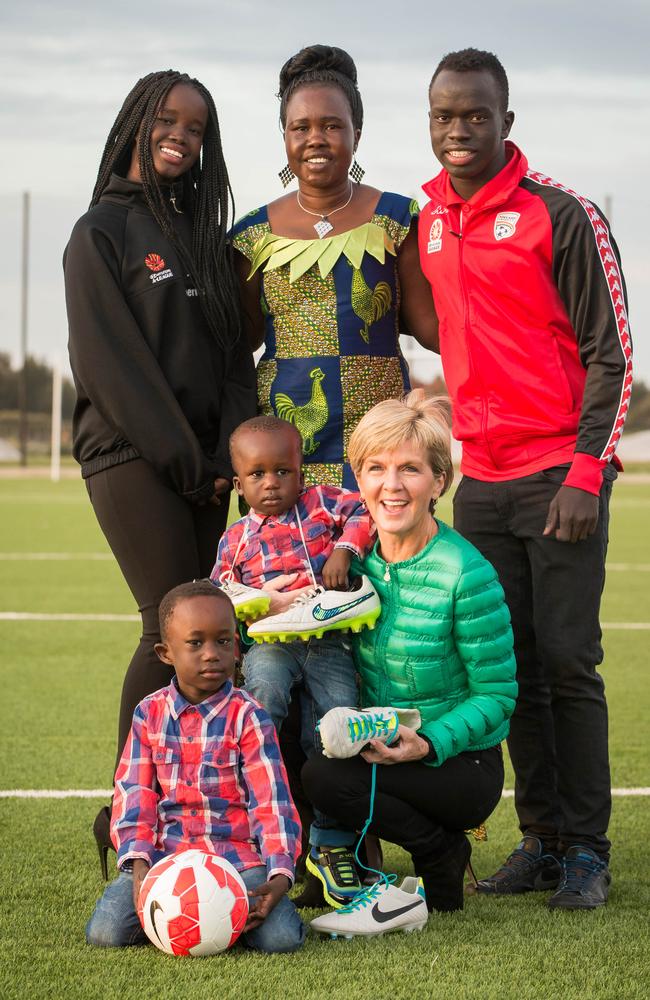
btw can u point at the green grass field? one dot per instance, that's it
(60, 690)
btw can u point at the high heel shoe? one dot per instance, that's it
(102, 832)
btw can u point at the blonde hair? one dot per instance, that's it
(417, 418)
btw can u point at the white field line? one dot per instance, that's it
(28, 616)
(18, 498)
(612, 567)
(627, 567)
(104, 793)
(56, 556)
(626, 626)
(33, 616)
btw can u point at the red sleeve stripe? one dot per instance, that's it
(614, 282)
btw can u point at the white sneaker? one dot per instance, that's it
(345, 731)
(381, 908)
(248, 602)
(322, 611)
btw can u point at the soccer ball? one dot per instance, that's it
(193, 903)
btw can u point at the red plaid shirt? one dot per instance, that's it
(207, 776)
(257, 549)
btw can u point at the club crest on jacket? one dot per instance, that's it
(505, 225)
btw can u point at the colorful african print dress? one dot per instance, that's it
(331, 311)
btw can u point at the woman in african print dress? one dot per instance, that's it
(330, 274)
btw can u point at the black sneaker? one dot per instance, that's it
(585, 881)
(528, 869)
(336, 870)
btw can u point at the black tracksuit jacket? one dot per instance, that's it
(151, 381)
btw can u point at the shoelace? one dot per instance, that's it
(233, 588)
(576, 870)
(367, 896)
(368, 726)
(516, 863)
(306, 598)
(341, 862)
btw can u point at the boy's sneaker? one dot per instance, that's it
(528, 869)
(345, 731)
(336, 869)
(248, 602)
(381, 908)
(585, 881)
(322, 611)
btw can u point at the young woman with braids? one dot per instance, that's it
(161, 372)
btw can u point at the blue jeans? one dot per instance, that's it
(326, 672)
(115, 924)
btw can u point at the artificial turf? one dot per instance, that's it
(60, 684)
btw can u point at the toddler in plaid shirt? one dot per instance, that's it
(292, 538)
(202, 768)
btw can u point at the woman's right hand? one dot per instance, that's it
(408, 747)
(221, 487)
(280, 599)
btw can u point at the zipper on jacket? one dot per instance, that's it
(382, 638)
(467, 327)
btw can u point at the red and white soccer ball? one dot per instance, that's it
(193, 903)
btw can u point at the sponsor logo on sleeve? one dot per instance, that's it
(505, 225)
(159, 271)
(435, 237)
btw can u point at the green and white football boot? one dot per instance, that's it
(322, 611)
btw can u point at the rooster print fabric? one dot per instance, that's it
(332, 343)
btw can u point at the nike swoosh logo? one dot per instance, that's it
(152, 914)
(381, 917)
(322, 614)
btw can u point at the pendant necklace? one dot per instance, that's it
(325, 226)
(172, 199)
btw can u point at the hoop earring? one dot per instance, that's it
(356, 171)
(286, 175)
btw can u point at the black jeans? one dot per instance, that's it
(558, 734)
(159, 541)
(416, 806)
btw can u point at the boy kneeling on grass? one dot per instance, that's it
(202, 769)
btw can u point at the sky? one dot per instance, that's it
(579, 85)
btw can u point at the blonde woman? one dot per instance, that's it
(443, 644)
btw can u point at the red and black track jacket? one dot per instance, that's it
(534, 335)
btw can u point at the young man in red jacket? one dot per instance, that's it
(536, 354)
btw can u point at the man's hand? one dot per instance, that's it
(140, 869)
(266, 896)
(335, 569)
(572, 514)
(409, 746)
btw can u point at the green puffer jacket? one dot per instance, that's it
(442, 644)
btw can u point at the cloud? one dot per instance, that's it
(579, 78)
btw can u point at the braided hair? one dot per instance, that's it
(321, 64)
(206, 189)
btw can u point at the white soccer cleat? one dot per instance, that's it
(377, 910)
(248, 602)
(322, 611)
(345, 731)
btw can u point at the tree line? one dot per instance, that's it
(39, 392)
(39, 387)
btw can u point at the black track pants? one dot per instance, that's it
(416, 806)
